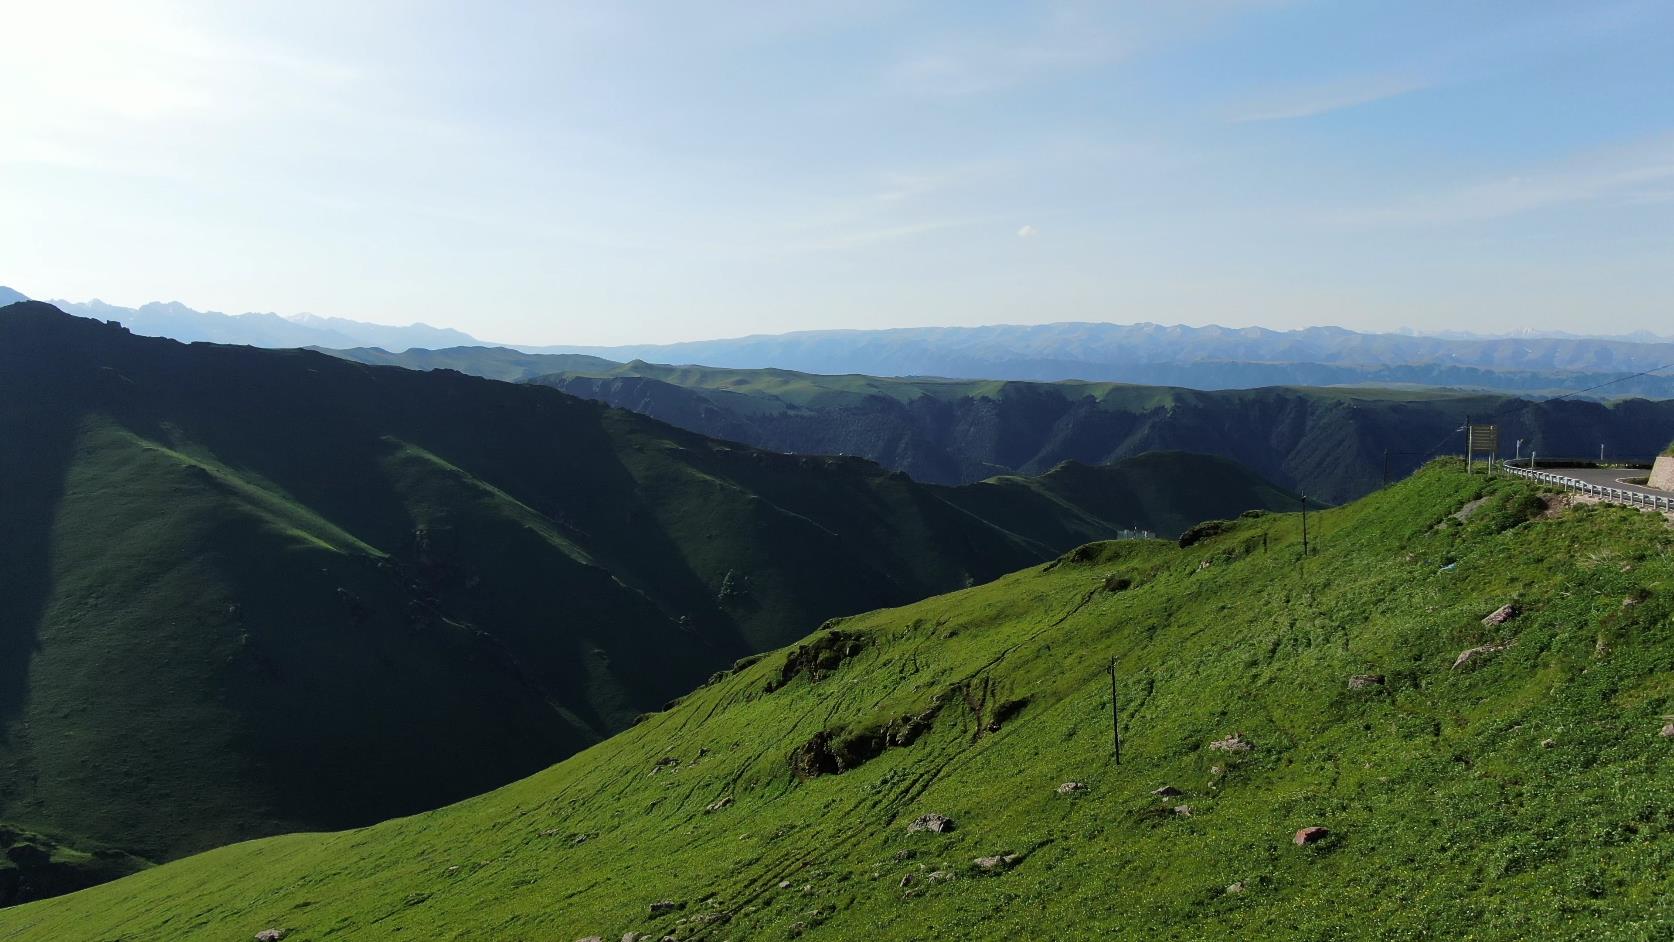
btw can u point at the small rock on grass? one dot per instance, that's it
(1500, 616)
(1233, 743)
(996, 862)
(1069, 787)
(1668, 731)
(1364, 681)
(270, 935)
(1479, 653)
(937, 823)
(1310, 835)
(1167, 791)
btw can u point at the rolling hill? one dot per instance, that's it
(251, 591)
(1329, 443)
(1451, 721)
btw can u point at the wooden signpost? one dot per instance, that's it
(1483, 440)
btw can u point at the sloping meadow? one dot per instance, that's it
(1520, 791)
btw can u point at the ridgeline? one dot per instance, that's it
(255, 591)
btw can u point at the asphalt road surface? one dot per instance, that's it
(1611, 477)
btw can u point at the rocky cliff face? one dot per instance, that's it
(1662, 473)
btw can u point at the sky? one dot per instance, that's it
(621, 172)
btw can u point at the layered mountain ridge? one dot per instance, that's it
(290, 592)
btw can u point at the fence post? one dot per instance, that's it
(1115, 717)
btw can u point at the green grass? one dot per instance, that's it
(1451, 815)
(35, 866)
(1333, 443)
(250, 591)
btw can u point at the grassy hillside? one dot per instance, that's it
(500, 363)
(1328, 442)
(1165, 492)
(1516, 791)
(252, 591)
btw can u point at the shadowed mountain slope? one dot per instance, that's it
(1328, 442)
(251, 591)
(1449, 725)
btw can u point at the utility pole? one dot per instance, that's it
(1115, 717)
(1467, 444)
(1600, 452)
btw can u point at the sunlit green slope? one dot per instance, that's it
(1520, 791)
(251, 591)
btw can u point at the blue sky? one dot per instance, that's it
(626, 172)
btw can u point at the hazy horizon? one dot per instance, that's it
(302, 317)
(574, 175)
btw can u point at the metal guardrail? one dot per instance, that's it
(1603, 492)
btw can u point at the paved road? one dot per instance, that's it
(1610, 477)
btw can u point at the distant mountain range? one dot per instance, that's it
(248, 591)
(1154, 354)
(1327, 442)
(177, 321)
(1197, 357)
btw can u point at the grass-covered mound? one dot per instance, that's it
(1519, 791)
(251, 591)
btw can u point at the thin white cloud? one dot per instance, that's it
(1065, 38)
(1326, 98)
(1638, 173)
(1027, 232)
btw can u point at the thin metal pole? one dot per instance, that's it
(1467, 444)
(1115, 717)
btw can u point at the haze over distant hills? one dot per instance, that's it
(1199, 357)
(1195, 357)
(178, 322)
